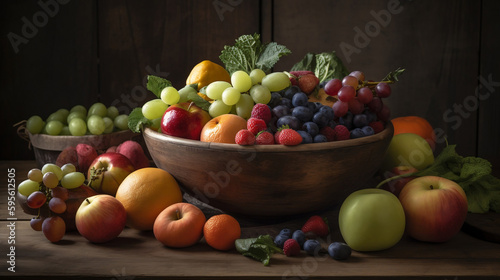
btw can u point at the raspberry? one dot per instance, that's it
(244, 137)
(256, 125)
(329, 133)
(261, 111)
(264, 138)
(377, 126)
(341, 132)
(291, 248)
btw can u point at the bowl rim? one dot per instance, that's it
(387, 132)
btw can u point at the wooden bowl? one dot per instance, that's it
(269, 181)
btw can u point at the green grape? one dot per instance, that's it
(50, 180)
(244, 106)
(156, 124)
(230, 96)
(185, 92)
(108, 124)
(79, 108)
(154, 109)
(72, 180)
(35, 124)
(215, 89)
(276, 81)
(121, 122)
(95, 124)
(63, 112)
(218, 108)
(241, 81)
(35, 174)
(112, 112)
(54, 127)
(77, 127)
(256, 75)
(65, 130)
(75, 115)
(260, 94)
(50, 167)
(98, 109)
(27, 187)
(170, 96)
(68, 168)
(56, 116)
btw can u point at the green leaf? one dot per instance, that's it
(199, 101)
(156, 84)
(260, 248)
(137, 121)
(326, 65)
(270, 55)
(393, 76)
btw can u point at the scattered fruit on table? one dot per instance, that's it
(179, 225)
(107, 172)
(145, 193)
(291, 248)
(78, 121)
(371, 220)
(312, 247)
(408, 149)
(185, 120)
(339, 250)
(317, 226)
(417, 125)
(100, 218)
(221, 231)
(435, 208)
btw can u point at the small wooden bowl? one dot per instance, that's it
(273, 181)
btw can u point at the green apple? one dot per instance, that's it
(408, 149)
(371, 220)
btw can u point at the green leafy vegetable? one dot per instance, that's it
(156, 84)
(473, 174)
(393, 76)
(137, 121)
(326, 65)
(249, 53)
(260, 248)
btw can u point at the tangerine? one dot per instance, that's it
(416, 125)
(221, 231)
(223, 129)
(145, 193)
(207, 72)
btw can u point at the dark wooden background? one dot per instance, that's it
(87, 51)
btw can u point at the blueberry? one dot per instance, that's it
(312, 247)
(360, 120)
(299, 99)
(339, 251)
(346, 120)
(311, 127)
(300, 237)
(368, 130)
(320, 119)
(302, 113)
(328, 111)
(291, 121)
(286, 102)
(291, 91)
(317, 106)
(306, 137)
(280, 111)
(370, 115)
(275, 99)
(286, 232)
(320, 138)
(357, 133)
(279, 240)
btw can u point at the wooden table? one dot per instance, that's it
(138, 255)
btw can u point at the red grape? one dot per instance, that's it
(54, 228)
(57, 205)
(350, 81)
(332, 87)
(340, 108)
(358, 74)
(36, 223)
(383, 90)
(355, 106)
(60, 192)
(36, 199)
(346, 93)
(365, 95)
(376, 104)
(384, 114)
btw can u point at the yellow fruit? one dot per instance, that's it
(145, 193)
(207, 72)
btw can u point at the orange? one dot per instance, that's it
(145, 193)
(417, 125)
(223, 129)
(207, 72)
(221, 231)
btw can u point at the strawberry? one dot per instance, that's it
(341, 132)
(377, 126)
(289, 137)
(291, 248)
(329, 133)
(277, 137)
(261, 111)
(256, 125)
(308, 83)
(317, 226)
(245, 138)
(264, 138)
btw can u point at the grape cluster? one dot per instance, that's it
(79, 121)
(47, 190)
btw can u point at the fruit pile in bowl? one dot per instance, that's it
(268, 144)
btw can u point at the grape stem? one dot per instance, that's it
(395, 178)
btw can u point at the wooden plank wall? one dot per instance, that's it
(87, 51)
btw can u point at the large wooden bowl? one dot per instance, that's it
(273, 180)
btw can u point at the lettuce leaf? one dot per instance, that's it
(260, 248)
(326, 65)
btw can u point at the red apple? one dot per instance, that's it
(395, 186)
(100, 218)
(179, 225)
(435, 208)
(185, 120)
(107, 172)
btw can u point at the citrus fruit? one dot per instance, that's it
(145, 193)
(417, 125)
(207, 72)
(223, 129)
(221, 231)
